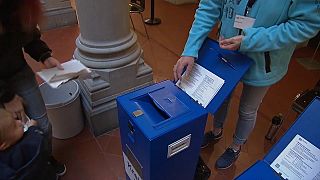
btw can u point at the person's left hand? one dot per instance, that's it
(31, 123)
(231, 43)
(15, 107)
(52, 62)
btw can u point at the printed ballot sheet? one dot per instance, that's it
(299, 160)
(202, 85)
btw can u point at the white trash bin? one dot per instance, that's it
(63, 109)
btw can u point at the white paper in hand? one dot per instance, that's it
(202, 85)
(54, 76)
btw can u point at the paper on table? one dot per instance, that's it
(299, 160)
(202, 85)
(54, 76)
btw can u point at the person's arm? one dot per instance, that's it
(303, 23)
(40, 51)
(206, 16)
(37, 48)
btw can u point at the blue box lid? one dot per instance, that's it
(161, 107)
(210, 58)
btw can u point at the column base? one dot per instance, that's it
(103, 117)
(58, 18)
(99, 93)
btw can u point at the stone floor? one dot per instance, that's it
(100, 158)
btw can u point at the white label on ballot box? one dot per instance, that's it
(202, 85)
(299, 160)
(130, 170)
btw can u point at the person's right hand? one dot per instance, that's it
(15, 107)
(51, 62)
(184, 61)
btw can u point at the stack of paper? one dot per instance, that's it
(202, 85)
(54, 76)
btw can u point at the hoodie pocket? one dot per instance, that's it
(267, 61)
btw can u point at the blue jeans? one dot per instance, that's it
(25, 85)
(251, 98)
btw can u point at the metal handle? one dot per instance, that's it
(178, 146)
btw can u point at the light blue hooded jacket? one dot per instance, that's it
(279, 26)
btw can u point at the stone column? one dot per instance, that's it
(58, 13)
(109, 47)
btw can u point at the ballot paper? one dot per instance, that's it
(54, 76)
(299, 160)
(202, 85)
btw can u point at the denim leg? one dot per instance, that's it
(25, 85)
(221, 114)
(250, 101)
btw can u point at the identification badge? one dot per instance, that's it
(243, 22)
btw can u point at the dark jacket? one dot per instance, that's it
(27, 159)
(11, 56)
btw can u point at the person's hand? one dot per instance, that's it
(15, 107)
(231, 43)
(184, 61)
(52, 62)
(31, 123)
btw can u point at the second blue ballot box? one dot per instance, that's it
(162, 127)
(161, 132)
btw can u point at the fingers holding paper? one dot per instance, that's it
(184, 61)
(231, 43)
(52, 62)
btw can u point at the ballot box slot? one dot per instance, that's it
(159, 106)
(150, 110)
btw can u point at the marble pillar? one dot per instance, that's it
(58, 13)
(109, 47)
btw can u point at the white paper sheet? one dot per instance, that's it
(202, 85)
(54, 76)
(299, 160)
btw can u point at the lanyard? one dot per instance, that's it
(249, 6)
(246, 12)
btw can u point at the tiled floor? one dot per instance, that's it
(99, 158)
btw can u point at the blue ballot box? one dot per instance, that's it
(162, 128)
(307, 126)
(161, 132)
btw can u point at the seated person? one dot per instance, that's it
(22, 154)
